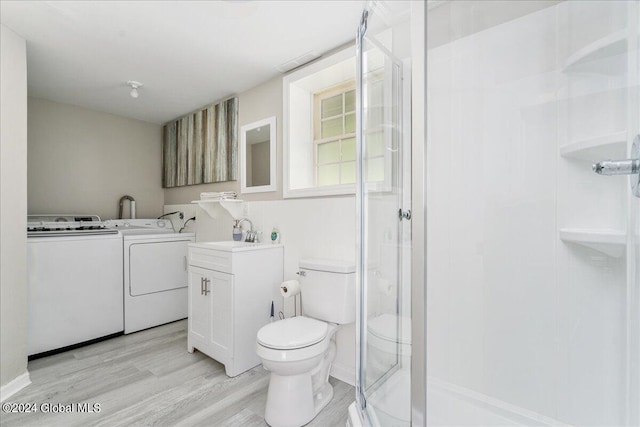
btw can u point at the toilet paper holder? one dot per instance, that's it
(291, 288)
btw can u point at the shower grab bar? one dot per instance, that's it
(617, 167)
(624, 167)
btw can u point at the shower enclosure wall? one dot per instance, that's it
(532, 266)
(532, 290)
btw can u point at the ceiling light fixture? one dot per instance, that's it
(134, 88)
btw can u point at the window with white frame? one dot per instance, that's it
(319, 127)
(334, 132)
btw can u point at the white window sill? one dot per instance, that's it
(334, 190)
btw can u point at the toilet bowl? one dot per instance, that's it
(298, 351)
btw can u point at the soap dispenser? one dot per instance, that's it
(275, 235)
(237, 231)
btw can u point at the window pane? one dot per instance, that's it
(331, 106)
(331, 127)
(375, 169)
(350, 101)
(350, 123)
(375, 144)
(328, 152)
(328, 175)
(349, 149)
(348, 173)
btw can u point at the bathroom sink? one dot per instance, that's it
(233, 246)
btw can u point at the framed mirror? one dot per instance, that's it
(258, 156)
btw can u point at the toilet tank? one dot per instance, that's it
(328, 289)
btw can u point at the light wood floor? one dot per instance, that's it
(149, 378)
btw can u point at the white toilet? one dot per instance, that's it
(299, 351)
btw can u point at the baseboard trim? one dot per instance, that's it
(343, 374)
(14, 386)
(517, 414)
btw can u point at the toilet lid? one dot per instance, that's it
(295, 332)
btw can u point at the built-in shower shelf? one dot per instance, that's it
(605, 147)
(609, 242)
(596, 57)
(213, 207)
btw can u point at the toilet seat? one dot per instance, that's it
(312, 344)
(293, 333)
(386, 326)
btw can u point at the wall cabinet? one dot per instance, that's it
(231, 287)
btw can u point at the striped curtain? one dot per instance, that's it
(201, 147)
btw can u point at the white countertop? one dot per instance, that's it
(233, 246)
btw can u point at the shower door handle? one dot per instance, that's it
(404, 214)
(624, 167)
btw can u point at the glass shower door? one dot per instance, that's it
(384, 224)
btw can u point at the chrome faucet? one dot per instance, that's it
(251, 234)
(132, 206)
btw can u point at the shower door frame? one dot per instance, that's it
(632, 362)
(404, 179)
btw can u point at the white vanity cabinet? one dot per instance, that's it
(231, 287)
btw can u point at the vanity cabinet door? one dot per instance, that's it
(222, 306)
(211, 313)
(199, 307)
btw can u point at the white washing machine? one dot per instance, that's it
(75, 281)
(155, 272)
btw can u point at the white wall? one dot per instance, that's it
(82, 161)
(13, 207)
(516, 317)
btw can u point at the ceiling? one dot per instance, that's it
(187, 54)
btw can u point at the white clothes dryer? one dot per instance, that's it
(155, 273)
